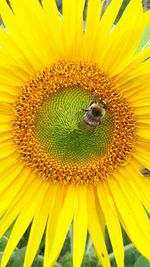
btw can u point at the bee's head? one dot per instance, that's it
(96, 110)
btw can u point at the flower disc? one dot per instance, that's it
(58, 127)
(47, 125)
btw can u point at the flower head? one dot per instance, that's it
(74, 132)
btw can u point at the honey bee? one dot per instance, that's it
(94, 114)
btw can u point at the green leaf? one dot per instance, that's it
(131, 257)
(66, 246)
(66, 260)
(57, 264)
(7, 234)
(91, 252)
(38, 262)
(89, 261)
(142, 262)
(17, 258)
(145, 40)
(3, 242)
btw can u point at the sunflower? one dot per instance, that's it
(56, 167)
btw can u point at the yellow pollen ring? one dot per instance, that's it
(46, 84)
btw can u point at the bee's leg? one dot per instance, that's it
(84, 110)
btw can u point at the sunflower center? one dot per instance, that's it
(59, 127)
(64, 135)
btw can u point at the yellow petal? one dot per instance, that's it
(6, 108)
(56, 199)
(143, 101)
(133, 87)
(143, 118)
(65, 215)
(14, 52)
(79, 30)
(12, 90)
(36, 36)
(80, 226)
(139, 58)
(8, 175)
(132, 213)
(105, 28)
(69, 25)
(6, 97)
(24, 196)
(132, 77)
(143, 147)
(141, 157)
(21, 35)
(124, 33)
(5, 118)
(13, 75)
(38, 227)
(5, 135)
(5, 127)
(142, 109)
(8, 162)
(143, 133)
(140, 185)
(72, 27)
(100, 214)
(91, 28)
(54, 28)
(7, 148)
(95, 229)
(24, 219)
(11, 188)
(112, 222)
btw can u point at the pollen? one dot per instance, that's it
(48, 110)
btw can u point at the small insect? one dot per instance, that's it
(94, 114)
(145, 172)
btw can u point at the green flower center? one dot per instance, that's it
(58, 127)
